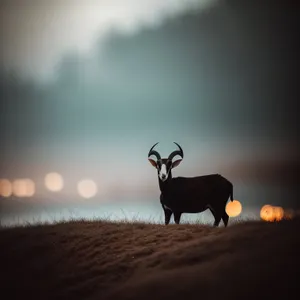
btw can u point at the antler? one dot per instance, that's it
(153, 152)
(176, 152)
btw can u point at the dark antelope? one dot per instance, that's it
(190, 194)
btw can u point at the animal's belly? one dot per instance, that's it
(193, 209)
(187, 208)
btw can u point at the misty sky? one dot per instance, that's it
(87, 88)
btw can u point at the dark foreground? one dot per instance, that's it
(101, 260)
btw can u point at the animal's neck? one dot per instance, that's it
(163, 184)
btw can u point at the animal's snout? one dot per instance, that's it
(163, 172)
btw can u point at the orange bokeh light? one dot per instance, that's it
(271, 213)
(278, 213)
(233, 208)
(23, 187)
(5, 188)
(288, 214)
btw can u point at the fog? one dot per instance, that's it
(86, 94)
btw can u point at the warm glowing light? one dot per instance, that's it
(23, 188)
(288, 214)
(87, 188)
(233, 208)
(5, 188)
(271, 213)
(266, 213)
(278, 213)
(54, 182)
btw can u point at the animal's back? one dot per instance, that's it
(206, 182)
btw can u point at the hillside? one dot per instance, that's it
(102, 260)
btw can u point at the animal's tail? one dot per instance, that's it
(231, 191)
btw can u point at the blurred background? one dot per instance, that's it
(88, 87)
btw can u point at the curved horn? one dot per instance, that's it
(153, 152)
(176, 152)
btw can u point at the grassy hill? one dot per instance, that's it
(105, 260)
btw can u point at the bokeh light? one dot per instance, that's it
(233, 208)
(5, 188)
(288, 214)
(54, 182)
(266, 213)
(23, 187)
(87, 188)
(278, 213)
(271, 213)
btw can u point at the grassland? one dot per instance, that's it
(106, 260)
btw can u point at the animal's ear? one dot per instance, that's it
(176, 163)
(153, 162)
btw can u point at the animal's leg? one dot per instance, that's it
(217, 221)
(216, 216)
(225, 218)
(212, 211)
(177, 216)
(168, 214)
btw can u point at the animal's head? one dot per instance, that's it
(164, 165)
